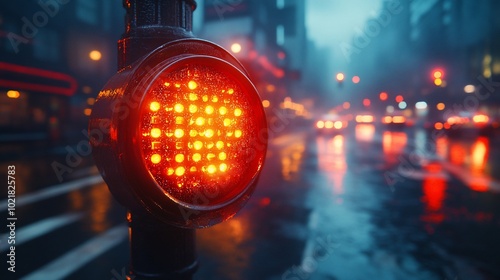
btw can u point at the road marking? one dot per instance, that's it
(52, 191)
(78, 257)
(40, 228)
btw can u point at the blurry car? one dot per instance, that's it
(331, 124)
(395, 120)
(364, 118)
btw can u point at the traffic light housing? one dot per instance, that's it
(181, 134)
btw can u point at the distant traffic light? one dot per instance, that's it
(340, 77)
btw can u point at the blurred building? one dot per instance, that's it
(268, 37)
(54, 58)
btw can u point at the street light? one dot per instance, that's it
(340, 77)
(236, 48)
(95, 55)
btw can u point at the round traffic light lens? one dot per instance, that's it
(199, 131)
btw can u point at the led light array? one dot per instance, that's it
(194, 129)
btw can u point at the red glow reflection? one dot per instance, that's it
(332, 160)
(457, 153)
(479, 158)
(393, 145)
(365, 132)
(434, 188)
(442, 147)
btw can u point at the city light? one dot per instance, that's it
(13, 94)
(366, 102)
(346, 105)
(355, 79)
(383, 96)
(469, 89)
(402, 105)
(389, 109)
(236, 48)
(95, 55)
(399, 98)
(340, 77)
(438, 82)
(440, 106)
(266, 103)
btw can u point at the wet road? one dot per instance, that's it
(365, 204)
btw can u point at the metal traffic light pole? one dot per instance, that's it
(158, 250)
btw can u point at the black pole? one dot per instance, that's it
(151, 23)
(160, 251)
(157, 250)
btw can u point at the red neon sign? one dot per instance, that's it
(20, 84)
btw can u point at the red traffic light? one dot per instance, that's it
(340, 77)
(187, 134)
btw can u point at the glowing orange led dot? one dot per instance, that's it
(178, 133)
(238, 133)
(211, 169)
(193, 133)
(170, 171)
(193, 108)
(196, 157)
(205, 98)
(179, 158)
(209, 133)
(209, 110)
(167, 84)
(179, 120)
(215, 99)
(200, 121)
(222, 156)
(154, 106)
(179, 108)
(155, 132)
(223, 167)
(192, 85)
(227, 122)
(177, 85)
(180, 171)
(192, 169)
(219, 145)
(230, 91)
(155, 159)
(197, 145)
(222, 110)
(210, 156)
(210, 145)
(237, 112)
(193, 97)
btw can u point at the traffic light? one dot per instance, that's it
(438, 76)
(181, 134)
